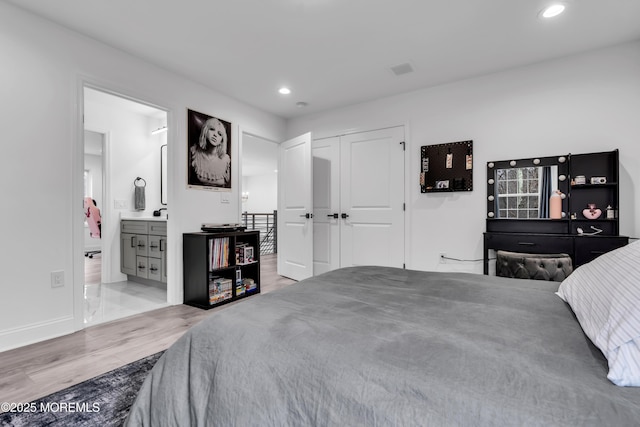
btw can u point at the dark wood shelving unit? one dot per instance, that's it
(591, 165)
(201, 271)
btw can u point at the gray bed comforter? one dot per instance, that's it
(369, 346)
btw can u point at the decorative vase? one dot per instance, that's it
(592, 212)
(555, 205)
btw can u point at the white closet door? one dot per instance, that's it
(295, 208)
(326, 204)
(372, 198)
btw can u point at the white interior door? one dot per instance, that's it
(372, 198)
(295, 223)
(326, 205)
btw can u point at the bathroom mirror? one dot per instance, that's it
(163, 174)
(521, 189)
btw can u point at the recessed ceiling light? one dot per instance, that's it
(553, 10)
(284, 90)
(301, 104)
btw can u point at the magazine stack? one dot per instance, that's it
(220, 289)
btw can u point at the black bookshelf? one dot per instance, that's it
(601, 195)
(214, 260)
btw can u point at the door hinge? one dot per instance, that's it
(404, 206)
(403, 145)
(404, 266)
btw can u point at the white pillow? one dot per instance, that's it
(605, 296)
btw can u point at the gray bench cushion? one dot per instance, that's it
(554, 267)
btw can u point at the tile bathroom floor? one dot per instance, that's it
(105, 302)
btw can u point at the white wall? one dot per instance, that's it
(585, 103)
(259, 174)
(41, 156)
(263, 193)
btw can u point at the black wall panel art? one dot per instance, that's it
(446, 167)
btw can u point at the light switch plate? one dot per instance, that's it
(57, 279)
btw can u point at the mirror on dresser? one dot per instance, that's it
(519, 193)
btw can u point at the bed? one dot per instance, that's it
(382, 346)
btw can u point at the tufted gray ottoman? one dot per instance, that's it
(554, 267)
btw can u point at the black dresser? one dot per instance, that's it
(581, 249)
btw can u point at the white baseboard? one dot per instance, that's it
(36, 332)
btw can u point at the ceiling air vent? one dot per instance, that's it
(401, 69)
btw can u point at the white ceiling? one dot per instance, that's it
(333, 53)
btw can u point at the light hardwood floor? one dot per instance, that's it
(34, 371)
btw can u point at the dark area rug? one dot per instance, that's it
(101, 401)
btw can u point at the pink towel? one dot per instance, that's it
(93, 217)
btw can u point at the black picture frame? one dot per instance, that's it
(208, 163)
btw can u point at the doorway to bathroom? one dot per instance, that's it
(122, 151)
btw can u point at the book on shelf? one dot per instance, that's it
(220, 289)
(244, 254)
(219, 252)
(249, 284)
(240, 289)
(238, 246)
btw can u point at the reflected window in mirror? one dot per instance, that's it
(521, 189)
(524, 192)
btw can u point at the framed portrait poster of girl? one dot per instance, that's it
(209, 152)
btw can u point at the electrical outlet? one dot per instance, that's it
(57, 279)
(443, 258)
